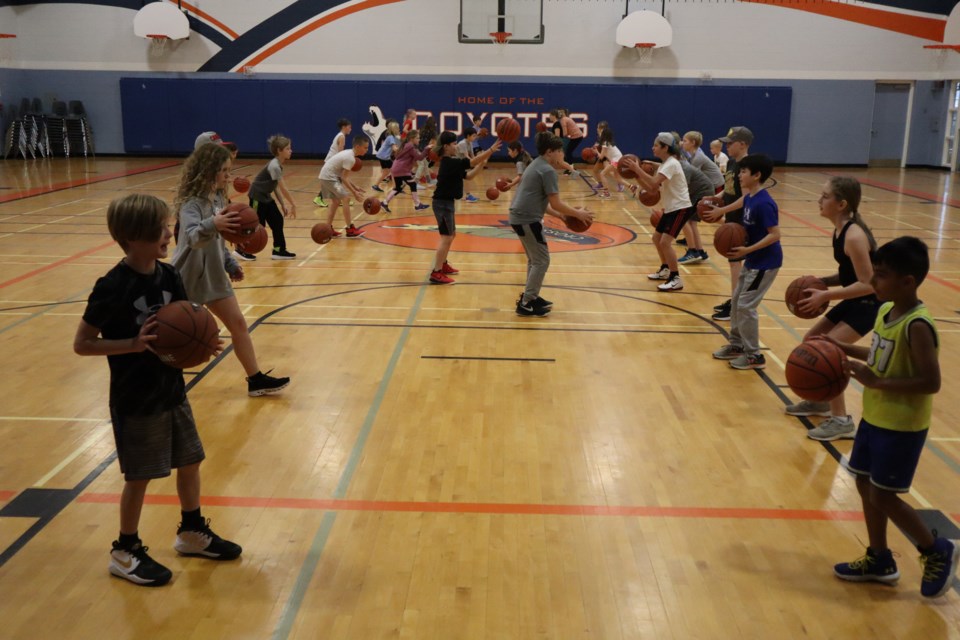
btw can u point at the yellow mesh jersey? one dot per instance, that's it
(890, 358)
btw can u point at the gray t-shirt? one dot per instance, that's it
(539, 181)
(265, 183)
(698, 184)
(708, 167)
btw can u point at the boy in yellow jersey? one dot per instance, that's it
(900, 376)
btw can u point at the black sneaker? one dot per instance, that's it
(682, 242)
(263, 384)
(383, 205)
(205, 543)
(722, 314)
(137, 567)
(722, 306)
(243, 255)
(528, 309)
(282, 254)
(539, 302)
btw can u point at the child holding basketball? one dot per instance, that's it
(763, 259)
(336, 146)
(539, 194)
(605, 169)
(854, 316)
(451, 173)
(269, 184)
(153, 424)
(900, 375)
(517, 153)
(402, 171)
(203, 261)
(675, 201)
(336, 186)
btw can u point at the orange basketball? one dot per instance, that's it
(483, 132)
(432, 155)
(576, 224)
(321, 233)
(708, 203)
(795, 293)
(371, 206)
(622, 170)
(589, 154)
(649, 198)
(541, 127)
(503, 184)
(816, 370)
(493, 193)
(655, 218)
(728, 236)
(241, 184)
(187, 334)
(248, 223)
(357, 165)
(649, 168)
(508, 130)
(255, 242)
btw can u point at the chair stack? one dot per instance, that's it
(64, 132)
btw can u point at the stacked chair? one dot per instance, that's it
(64, 132)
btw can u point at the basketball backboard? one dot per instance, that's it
(522, 19)
(161, 19)
(644, 26)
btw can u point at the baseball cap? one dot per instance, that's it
(205, 137)
(738, 134)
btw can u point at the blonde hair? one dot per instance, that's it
(696, 136)
(137, 217)
(277, 143)
(393, 127)
(200, 173)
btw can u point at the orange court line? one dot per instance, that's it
(742, 513)
(6, 495)
(918, 26)
(79, 182)
(54, 265)
(207, 17)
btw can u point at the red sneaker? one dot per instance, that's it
(437, 277)
(448, 270)
(353, 232)
(336, 234)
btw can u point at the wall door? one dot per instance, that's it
(890, 108)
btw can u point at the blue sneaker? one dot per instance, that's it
(872, 567)
(471, 198)
(939, 564)
(692, 255)
(421, 207)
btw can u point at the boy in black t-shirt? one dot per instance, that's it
(153, 425)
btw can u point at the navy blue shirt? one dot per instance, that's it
(760, 213)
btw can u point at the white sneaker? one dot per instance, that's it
(833, 428)
(662, 274)
(673, 284)
(808, 408)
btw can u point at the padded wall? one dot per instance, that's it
(164, 115)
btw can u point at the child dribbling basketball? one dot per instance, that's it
(153, 424)
(203, 261)
(268, 192)
(336, 186)
(900, 375)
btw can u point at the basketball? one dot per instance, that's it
(649, 168)
(728, 236)
(503, 184)
(187, 334)
(241, 184)
(589, 154)
(321, 233)
(432, 155)
(541, 127)
(371, 206)
(576, 224)
(493, 193)
(256, 241)
(483, 132)
(795, 293)
(815, 370)
(655, 218)
(649, 198)
(508, 130)
(248, 223)
(708, 203)
(357, 165)
(622, 170)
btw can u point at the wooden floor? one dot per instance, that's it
(439, 467)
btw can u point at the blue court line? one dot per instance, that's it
(309, 566)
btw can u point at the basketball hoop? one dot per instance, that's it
(500, 38)
(6, 47)
(644, 52)
(158, 43)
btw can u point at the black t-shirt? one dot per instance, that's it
(118, 306)
(732, 190)
(450, 177)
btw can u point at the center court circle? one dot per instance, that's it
(491, 233)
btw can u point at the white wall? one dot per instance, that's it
(723, 40)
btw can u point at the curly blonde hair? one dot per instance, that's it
(200, 173)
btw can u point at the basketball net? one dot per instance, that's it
(158, 44)
(644, 52)
(501, 39)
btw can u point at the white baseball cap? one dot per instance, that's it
(205, 137)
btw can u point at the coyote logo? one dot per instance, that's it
(376, 129)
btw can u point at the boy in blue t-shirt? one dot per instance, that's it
(763, 259)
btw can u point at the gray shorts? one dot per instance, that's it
(443, 211)
(149, 446)
(332, 190)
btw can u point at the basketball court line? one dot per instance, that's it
(54, 265)
(79, 182)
